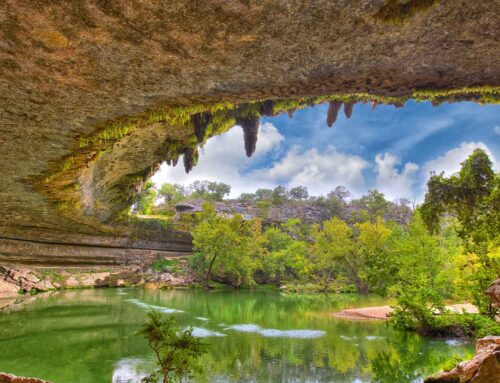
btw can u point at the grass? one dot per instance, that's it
(163, 263)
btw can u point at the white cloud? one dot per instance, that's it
(449, 163)
(223, 159)
(319, 171)
(496, 129)
(392, 182)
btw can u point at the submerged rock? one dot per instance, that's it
(9, 378)
(484, 367)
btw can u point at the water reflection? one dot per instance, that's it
(88, 336)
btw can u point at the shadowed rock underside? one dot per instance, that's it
(95, 94)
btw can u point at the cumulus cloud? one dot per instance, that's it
(449, 163)
(223, 159)
(392, 182)
(319, 171)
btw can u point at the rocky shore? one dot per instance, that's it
(19, 280)
(8, 378)
(484, 367)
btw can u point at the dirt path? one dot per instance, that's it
(382, 312)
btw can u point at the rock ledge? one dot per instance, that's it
(484, 367)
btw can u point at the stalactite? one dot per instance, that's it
(267, 108)
(290, 113)
(175, 160)
(250, 127)
(348, 108)
(373, 105)
(200, 123)
(190, 159)
(333, 112)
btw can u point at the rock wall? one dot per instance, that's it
(484, 367)
(306, 212)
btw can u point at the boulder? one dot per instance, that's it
(484, 367)
(494, 292)
(129, 277)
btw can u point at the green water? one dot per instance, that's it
(88, 336)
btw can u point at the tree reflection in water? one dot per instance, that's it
(88, 336)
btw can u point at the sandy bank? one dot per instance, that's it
(382, 312)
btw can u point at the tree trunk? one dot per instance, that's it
(209, 271)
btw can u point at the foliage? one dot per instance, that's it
(176, 352)
(332, 250)
(226, 247)
(299, 193)
(163, 263)
(146, 198)
(473, 197)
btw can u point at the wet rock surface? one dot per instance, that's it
(484, 367)
(9, 378)
(494, 292)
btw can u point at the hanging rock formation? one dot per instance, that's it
(348, 108)
(190, 158)
(333, 111)
(250, 126)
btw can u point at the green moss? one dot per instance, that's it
(398, 11)
(217, 118)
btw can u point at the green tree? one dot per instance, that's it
(332, 250)
(227, 246)
(473, 197)
(208, 190)
(373, 204)
(299, 193)
(280, 195)
(173, 193)
(379, 267)
(263, 195)
(421, 259)
(146, 198)
(176, 352)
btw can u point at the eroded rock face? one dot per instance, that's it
(306, 211)
(70, 69)
(9, 378)
(484, 367)
(494, 292)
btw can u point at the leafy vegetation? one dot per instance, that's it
(369, 246)
(176, 352)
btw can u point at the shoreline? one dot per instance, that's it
(383, 312)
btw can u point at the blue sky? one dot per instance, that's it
(389, 149)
